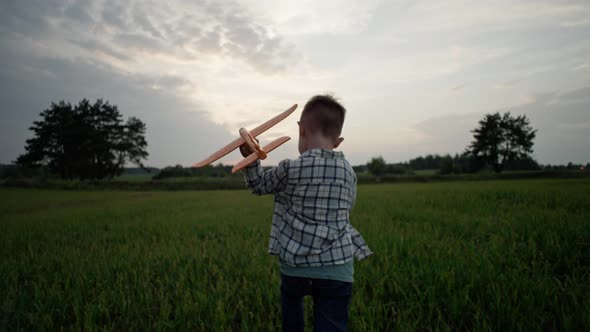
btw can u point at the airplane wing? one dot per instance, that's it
(268, 124)
(221, 152)
(253, 157)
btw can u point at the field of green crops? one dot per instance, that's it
(480, 255)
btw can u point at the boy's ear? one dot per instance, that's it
(301, 131)
(340, 139)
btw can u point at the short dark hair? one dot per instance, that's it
(324, 114)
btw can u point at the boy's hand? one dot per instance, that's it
(246, 150)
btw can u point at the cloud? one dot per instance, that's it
(178, 131)
(445, 134)
(101, 47)
(78, 12)
(498, 15)
(185, 30)
(576, 23)
(507, 84)
(539, 98)
(458, 88)
(115, 14)
(140, 41)
(242, 61)
(581, 95)
(144, 21)
(434, 64)
(510, 37)
(583, 66)
(153, 59)
(574, 126)
(310, 17)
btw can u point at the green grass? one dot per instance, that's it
(134, 177)
(493, 255)
(426, 172)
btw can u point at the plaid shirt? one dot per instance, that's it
(313, 198)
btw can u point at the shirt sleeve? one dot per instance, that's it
(260, 182)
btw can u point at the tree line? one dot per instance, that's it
(447, 164)
(179, 171)
(500, 142)
(91, 141)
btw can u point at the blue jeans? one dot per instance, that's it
(331, 299)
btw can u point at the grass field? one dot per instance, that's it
(490, 255)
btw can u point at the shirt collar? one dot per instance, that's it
(323, 153)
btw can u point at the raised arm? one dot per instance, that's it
(260, 182)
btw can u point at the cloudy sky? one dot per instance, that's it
(415, 76)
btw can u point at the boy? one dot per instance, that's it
(311, 231)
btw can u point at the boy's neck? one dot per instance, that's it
(320, 142)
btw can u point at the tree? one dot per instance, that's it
(88, 141)
(522, 164)
(500, 139)
(397, 169)
(467, 163)
(377, 166)
(446, 165)
(428, 162)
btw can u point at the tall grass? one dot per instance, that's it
(488, 255)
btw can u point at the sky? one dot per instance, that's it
(415, 76)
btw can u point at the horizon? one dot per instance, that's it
(415, 78)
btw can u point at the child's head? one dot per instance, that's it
(321, 123)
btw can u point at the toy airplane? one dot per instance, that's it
(247, 137)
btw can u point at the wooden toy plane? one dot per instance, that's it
(247, 137)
